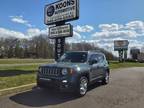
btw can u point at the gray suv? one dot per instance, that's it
(74, 71)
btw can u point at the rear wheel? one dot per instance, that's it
(106, 79)
(83, 85)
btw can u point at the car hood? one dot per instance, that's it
(81, 66)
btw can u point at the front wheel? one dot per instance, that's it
(106, 79)
(83, 85)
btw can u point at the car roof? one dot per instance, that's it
(89, 52)
(96, 52)
(77, 51)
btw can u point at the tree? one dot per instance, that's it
(41, 47)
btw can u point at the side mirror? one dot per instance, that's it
(93, 62)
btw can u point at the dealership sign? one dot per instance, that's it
(61, 11)
(57, 14)
(121, 45)
(61, 31)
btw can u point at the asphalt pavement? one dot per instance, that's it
(125, 90)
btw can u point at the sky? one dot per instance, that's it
(101, 21)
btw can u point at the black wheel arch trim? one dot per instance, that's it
(86, 74)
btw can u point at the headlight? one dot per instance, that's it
(64, 71)
(77, 68)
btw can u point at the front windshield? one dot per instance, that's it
(74, 57)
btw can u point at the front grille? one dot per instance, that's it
(47, 71)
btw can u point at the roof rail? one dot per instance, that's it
(95, 51)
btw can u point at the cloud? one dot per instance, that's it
(135, 43)
(82, 29)
(76, 38)
(33, 32)
(6, 33)
(20, 20)
(132, 29)
(137, 26)
(36, 32)
(113, 34)
(77, 33)
(110, 27)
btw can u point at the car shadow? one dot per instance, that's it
(9, 73)
(95, 85)
(40, 97)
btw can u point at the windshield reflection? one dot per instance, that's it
(74, 57)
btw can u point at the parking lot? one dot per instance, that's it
(125, 90)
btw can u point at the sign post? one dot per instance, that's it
(58, 13)
(120, 55)
(121, 46)
(59, 47)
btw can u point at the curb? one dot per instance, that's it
(16, 89)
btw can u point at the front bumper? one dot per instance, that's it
(63, 84)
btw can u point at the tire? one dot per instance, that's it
(83, 85)
(106, 79)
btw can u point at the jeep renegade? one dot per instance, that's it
(74, 71)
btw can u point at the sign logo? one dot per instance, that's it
(50, 11)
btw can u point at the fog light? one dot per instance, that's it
(64, 81)
(66, 86)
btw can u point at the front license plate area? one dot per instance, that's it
(46, 79)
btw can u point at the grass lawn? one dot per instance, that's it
(19, 67)
(115, 64)
(18, 80)
(22, 61)
(17, 75)
(12, 76)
